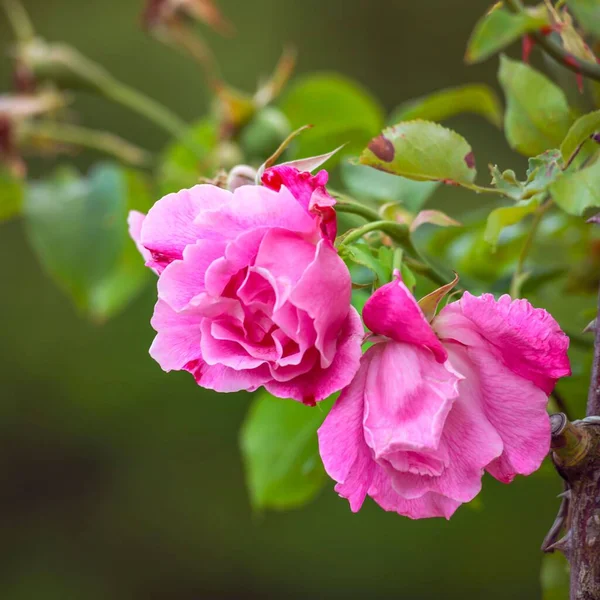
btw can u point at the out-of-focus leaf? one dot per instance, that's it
(264, 133)
(11, 195)
(472, 256)
(280, 450)
(341, 111)
(434, 217)
(575, 192)
(180, 167)
(499, 28)
(537, 115)
(554, 577)
(423, 151)
(129, 275)
(472, 98)
(572, 41)
(580, 131)
(587, 13)
(77, 227)
(505, 216)
(367, 183)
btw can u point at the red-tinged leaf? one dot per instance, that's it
(429, 303)
(435, 217)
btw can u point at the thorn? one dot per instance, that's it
(590, 327)
(563, 545)
(566, 494)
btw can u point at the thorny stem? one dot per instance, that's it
(593, 403)
(576, 454)
(556, 51)
(518, 274)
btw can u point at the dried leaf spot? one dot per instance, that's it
(382, 148)
(470, 160)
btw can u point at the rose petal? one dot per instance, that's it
(169, 226)
(321, 382)
(183, 279)
(135, 221)
(225, 380)
(178, 337)
(407, 398)
(252, 207)
(528, 339)
(514, 406)
(345, 454)
(324, 292)
(469, 441)
(426, 506)
(392, 311)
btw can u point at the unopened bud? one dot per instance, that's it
(241, 175)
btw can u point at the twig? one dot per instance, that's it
(556, 51)
(593, 404)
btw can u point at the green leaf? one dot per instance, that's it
(408, 277)
(11, 196)
(499, 28)
(542, 171)
(537, 115)
(78, 228)
(180, 167)
(341, 111)
(361, 254)
(587, 13)
(366, 183)
(575, 192)
(279, 445)
(423, 151)
(128, 276)
(554, 577)
(580, 131)
(472, 98)
(505, 216)
(264, 133)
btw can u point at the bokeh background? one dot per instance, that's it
(119, 481)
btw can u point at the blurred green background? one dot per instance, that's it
(119, 481)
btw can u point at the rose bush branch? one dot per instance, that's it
(558, 52)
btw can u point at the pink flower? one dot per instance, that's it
(433, 406)
(250, 292)
(310, 192)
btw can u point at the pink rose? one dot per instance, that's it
(433, 406)
(251, 291)
(310, 192)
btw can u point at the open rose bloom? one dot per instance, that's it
(435, 405)
(251, 290)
